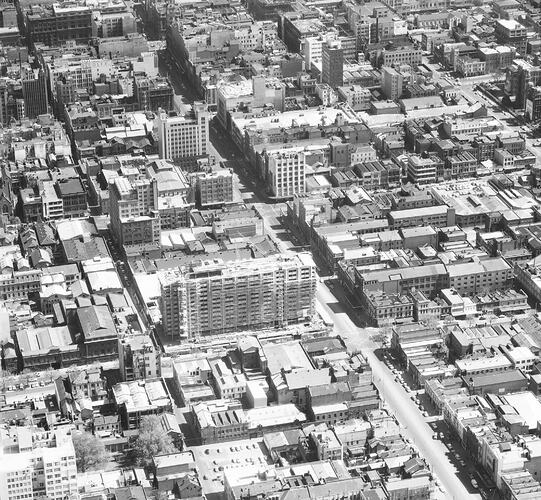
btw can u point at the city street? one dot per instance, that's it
(454, 483)
(415, 428)
(124, 273)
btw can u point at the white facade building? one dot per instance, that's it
(36, 465)
(184, 136)
(286, 170)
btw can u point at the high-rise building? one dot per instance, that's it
(57, 23)
(37, 464)
(532, 110)
(213, 188)
(153, 93)
(215, 297)
(286, 170)
(332, 64)
(156, 197)
(34, 86)
(132, 221)
(520, 76)
(392, 83)
(184, 136)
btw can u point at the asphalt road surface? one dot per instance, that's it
(414, 426)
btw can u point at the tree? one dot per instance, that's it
(151, 441)
(90, 453)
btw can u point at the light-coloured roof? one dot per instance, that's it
(288, 356)
(526, 405)
(69, 229)
(37, 341)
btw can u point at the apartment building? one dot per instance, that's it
(183, 136)
(215, 297)
(35, 464)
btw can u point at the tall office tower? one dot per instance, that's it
(184, 136)
(35, 96)
(332, 64)
(37, 464)
(286, 172)
(520, 76)
(133, 222)
(392, 83)
(532, 109)
(216, 297)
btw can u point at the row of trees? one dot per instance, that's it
(91, 454)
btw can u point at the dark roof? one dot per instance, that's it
(45, 233)
(494, 378)
(71, 187)
(29, 239)
(130, 493)
(96, 323)
(78, 249)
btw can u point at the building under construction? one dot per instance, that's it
(215, 297)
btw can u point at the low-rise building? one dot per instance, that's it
(220, 420)
(139, 357)
(139, 398)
